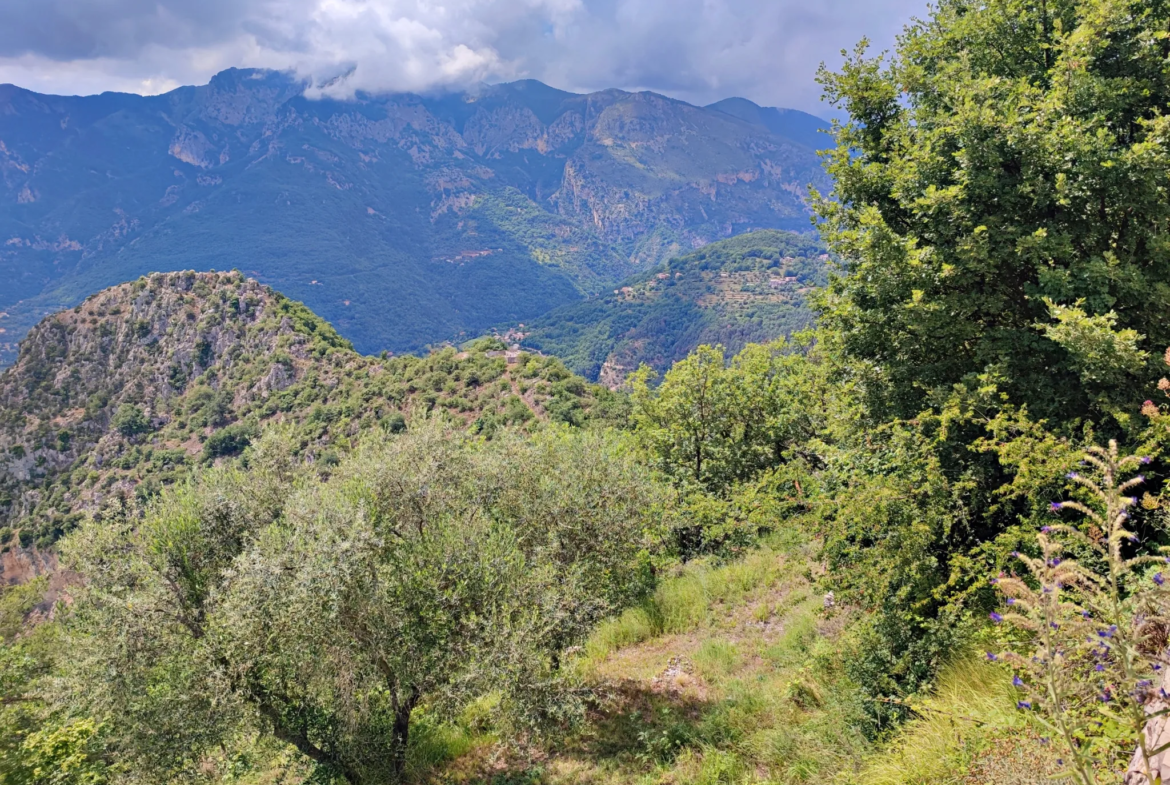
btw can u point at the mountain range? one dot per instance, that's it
(403, 220)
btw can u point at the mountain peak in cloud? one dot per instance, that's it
(697, 50)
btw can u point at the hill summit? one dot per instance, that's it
(125, 393)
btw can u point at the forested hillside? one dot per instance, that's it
(924, 541)
(404, 220)
(748, 289)
(127, 392)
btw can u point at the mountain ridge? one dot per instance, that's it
(751, 288)
(403, 219)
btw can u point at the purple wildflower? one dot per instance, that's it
(1017, 681)
(1045, 529)
(1099, 667)
(1158, 579)
(1023, 705)
(1145, 459)
(1011, 600)
(1072, 475)
(995, 617)
(991, 657)
(1055, 506)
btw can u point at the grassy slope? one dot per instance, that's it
(734, 674)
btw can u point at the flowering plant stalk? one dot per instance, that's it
(1093, 628)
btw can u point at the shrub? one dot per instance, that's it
(1094, 624)
(130, 420)
(227, 441)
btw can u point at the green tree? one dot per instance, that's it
(687, 417)
(712, 425)
(1009, 153)
(130, 420)
(40, 743)
(426, 570)
(583, 504)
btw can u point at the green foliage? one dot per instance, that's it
(733, 435)
(426, 572)
(228, 441)
(1008, 153)
(130, 420)
(39, 743)
(1107, 360)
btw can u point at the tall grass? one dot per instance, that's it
(973, 708)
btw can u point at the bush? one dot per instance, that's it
(130, 421)
(228, 441)
(394, 423)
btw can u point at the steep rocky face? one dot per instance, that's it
(402, 219)
(126, 392)
(91, 382)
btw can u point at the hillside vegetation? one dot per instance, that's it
(748, 289)
(925, 541)
(127, 392)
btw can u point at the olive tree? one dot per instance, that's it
(427, 569)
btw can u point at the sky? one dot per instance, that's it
(696, 50)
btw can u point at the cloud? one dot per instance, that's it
(698, 50)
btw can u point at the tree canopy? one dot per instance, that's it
(1009, 158)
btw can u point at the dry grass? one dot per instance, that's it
(968, 733)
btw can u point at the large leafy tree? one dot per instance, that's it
(1002, 204)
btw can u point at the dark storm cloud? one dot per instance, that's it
(85, 29)
(699, 50)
